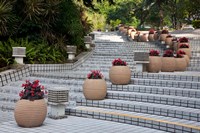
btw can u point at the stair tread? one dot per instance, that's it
(155, 105)
(147, 94)
(136, 115)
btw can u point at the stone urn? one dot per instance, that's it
(155, 64)
(181, 64)
(94, 89)
(120, 75)
(30, 113)
(168, 64)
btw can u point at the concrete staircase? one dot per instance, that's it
(163, 101)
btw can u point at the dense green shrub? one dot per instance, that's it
(196, 24)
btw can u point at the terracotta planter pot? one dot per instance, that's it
(187, 51)
(94, 89)
(144, 38)
(151, 37)
(136, 37)
(155, 64)
(133, 34)
(120, 75)
(156, 36)
(187, 59)
(168, 64)
(180, 64)
(163, 37)
(125, 31)
(30, 113)
(168, 41)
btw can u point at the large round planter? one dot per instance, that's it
(144, 38)
(94, 89)
(187, 59)
(120, 75)
(30, 113)
(187, 51)
(168, 64)
(180, 64)
(163, 37)
(136, 37)
(133, 34)
(155, 64)
(156, 36)
(151, 37)
(168, 41)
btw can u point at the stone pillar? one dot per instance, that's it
(71, 51)
(19, 53)
(88, 41)
(57, 99)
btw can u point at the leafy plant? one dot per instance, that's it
(164, 32)
(183, 40)
(178, 55)
(95, 74)
(181, 52)
(32, 90)
(184, 45)
(168, 53)
(151, 31)
(168, 36)
(154, 52)
(118, 62)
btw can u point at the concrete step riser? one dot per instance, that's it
(133, 121)
(159, 99)
(167, 83)
(194, 116)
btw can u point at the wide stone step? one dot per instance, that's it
(193, 93)
(147, 108)
(178, 76)
(166, 83)
(146, 120)
(155, 98)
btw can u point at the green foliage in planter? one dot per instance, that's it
(196, 23)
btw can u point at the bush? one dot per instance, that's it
(196, 24)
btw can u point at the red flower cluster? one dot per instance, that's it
(178, 55)
(181, 52)
(168, 53)
(151, 31)
(164, 32)
(154, 53)
(174, 40)
(168, 36)
(32, 91)
(95, 74)
(119, 62)
(183, 39)
(184, 45)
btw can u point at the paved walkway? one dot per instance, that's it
(75, 125)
